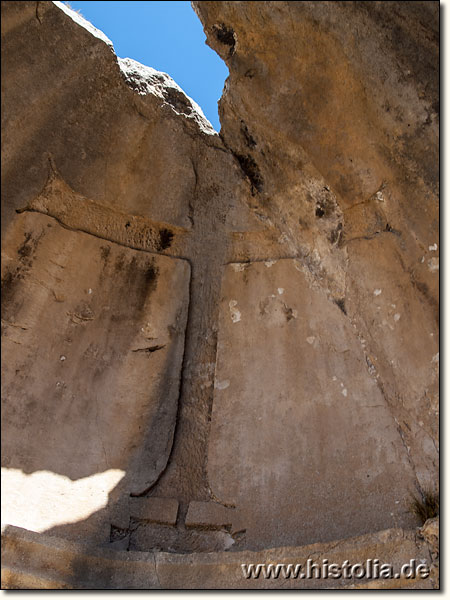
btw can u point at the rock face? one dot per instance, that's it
(315, 426)
(112, 366)
(341, 148)
(219, 343)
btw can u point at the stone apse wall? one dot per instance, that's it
(221, 342)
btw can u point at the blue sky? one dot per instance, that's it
(167, 36)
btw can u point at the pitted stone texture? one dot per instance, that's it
(302, 441)
(94, 335)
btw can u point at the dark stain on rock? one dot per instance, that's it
(9, 286)
(165, 239)
(150, 275)
(251, 170)
(390, 229)
(142, 280)
(423, 288)
(225, 35)
(120, 260)
(150, 349)
(249, 139)
(9, 303)
(319, 211)
(340, 302)
(133, 280)
(104, 253)
(26, 248)
(288, 311)
(324, 205)
(416, 49)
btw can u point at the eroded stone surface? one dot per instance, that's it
(94, 335)
(70, 565)
(299, 426)
(332, 110)
(210, 515)
(158, 510)
(327, 154)
(143, 169)
(430, 532)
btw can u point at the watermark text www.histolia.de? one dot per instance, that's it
(370, 569)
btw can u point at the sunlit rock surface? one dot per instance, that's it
(220, 343)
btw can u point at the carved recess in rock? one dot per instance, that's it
(94, 335)
(73, 210)
(300, 428)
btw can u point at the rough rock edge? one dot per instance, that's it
(37, 558)
(146, 80)
(80, 20)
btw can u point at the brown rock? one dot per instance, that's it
(248, 319)
(332, 110)
(430, 531)
(297, 416)
(74, 348)
(158, 510)
(40, 561)
(210, 515)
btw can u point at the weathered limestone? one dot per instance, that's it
(210, 515)
(220, 348)
(332, 109)
(27, 556)
(297, 416)
(430, 532)
(97, 330)
(158, 510)
(144, 172)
